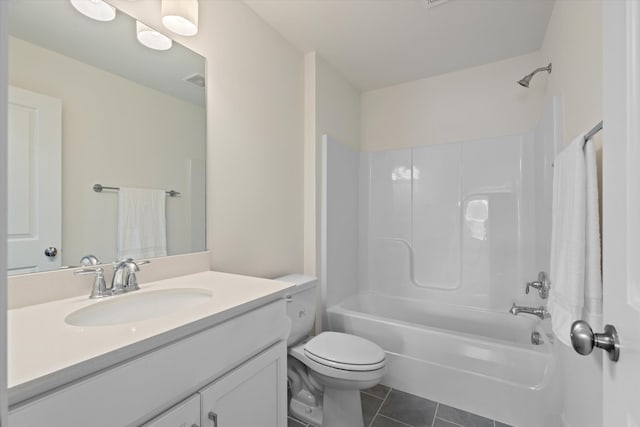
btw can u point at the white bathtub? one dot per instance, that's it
(477, 360)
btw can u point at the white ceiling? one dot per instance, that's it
(378, 43)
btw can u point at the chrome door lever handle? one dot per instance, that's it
(584, 340)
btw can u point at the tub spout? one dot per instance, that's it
(541, 312)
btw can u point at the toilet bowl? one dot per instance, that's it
(326, 372)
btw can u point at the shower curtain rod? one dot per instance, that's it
(597, 128)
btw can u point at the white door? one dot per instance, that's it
(621, 215)
(34, 174)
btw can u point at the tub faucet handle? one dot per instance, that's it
(542, 285)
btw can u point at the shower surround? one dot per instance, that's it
(448, 222)
(424, 250)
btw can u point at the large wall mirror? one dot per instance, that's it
(91, 105)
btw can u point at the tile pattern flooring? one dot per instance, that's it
(386, 407)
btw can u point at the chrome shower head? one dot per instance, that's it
(524, 82)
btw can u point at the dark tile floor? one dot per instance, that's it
(386, 407)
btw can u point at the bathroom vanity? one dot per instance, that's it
(219, 362)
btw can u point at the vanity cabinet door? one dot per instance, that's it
(254, 394)
(185, 414)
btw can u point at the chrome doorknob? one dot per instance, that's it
(51, 252)
(584, 340)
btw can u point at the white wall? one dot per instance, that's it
(475, 103)
(111, 126)
(255, 102)
(311, 168)
(337, 105)
(339, 258)
(573, 43)
(4, 46)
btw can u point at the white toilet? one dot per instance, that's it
(326, 372)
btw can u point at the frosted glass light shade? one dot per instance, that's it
(180, 16)
(151, 38)
(95, 9)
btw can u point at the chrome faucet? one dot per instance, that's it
(541, 312)
(124, 276)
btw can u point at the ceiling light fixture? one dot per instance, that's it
(180, 16)
(95, 9)
(152, 38)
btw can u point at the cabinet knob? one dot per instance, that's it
(213, 417)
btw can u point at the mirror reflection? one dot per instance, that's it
(91, 105)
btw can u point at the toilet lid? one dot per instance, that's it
(344, 351)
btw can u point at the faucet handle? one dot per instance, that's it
(121, 262)
(99, 289)
(124, 276)
(86, 271)
(133, 267)
(127, 262)
(89, 260)
(542, 285)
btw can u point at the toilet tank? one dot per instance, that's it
(301, 305)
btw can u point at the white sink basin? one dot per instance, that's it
(136, 306)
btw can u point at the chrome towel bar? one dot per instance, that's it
(99, 187)
(597, 128)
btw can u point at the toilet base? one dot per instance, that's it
(305, 412)
(341, 408)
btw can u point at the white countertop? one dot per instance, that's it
(44, 352)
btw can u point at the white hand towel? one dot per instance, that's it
(575, 240)
(141, 223)
(592, 311)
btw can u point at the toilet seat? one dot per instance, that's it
(336, 373)
(345, 352)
